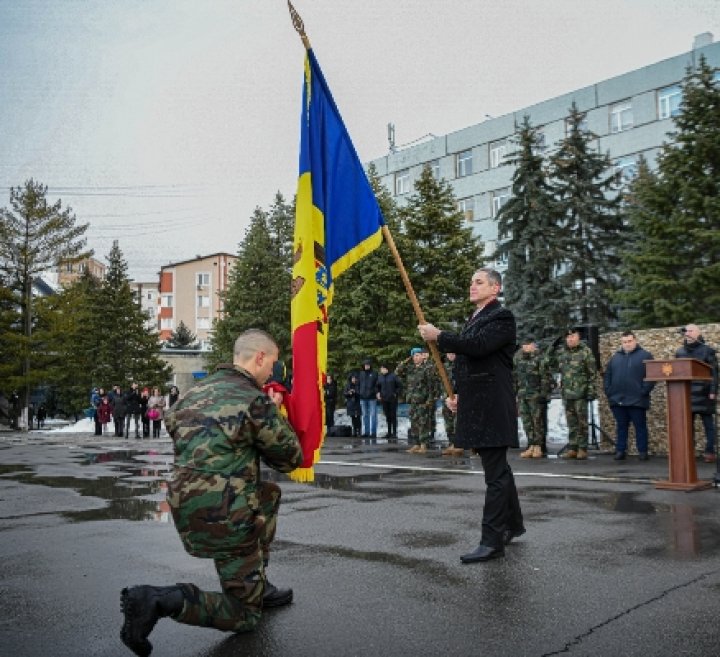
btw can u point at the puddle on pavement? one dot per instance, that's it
(140, 477)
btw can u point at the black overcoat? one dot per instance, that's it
(487, 412)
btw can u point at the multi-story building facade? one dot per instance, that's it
(147, 296)
(191, 292)
(630, 114)
(69, 272)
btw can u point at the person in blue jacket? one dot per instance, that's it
(629, 394)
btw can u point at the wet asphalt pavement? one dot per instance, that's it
(609, 565)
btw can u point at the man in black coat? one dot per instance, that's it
(703, 394)
(629, 394)
(389, 387)
(485, 406)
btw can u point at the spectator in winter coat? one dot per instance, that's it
(133, 410)
(330, 392)
(367, 392)
(352, 403)
(703, 393)
(156, 406)
(629, 394)
(119, 412)
(389, 387)
(173, 395)
(104, 414)
(144, 399)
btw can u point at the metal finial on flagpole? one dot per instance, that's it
(298, 25)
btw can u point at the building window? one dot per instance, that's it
(498, 151)
(166, 300)
(626, 167)
(167, 323)
(402, 182)
(467, 207)
(435, 169)
(203, 301)
(203, 280)
(202, 323)
(621, 117)
(499, 198)
(669, 100)
(464, 164)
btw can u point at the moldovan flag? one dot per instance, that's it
(337, 222)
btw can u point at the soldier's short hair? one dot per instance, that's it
(494, 277)
(251, 341)
(627, 334)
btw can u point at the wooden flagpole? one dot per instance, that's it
(299, 26)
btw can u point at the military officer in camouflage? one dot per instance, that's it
(578, 372)
(418, 377)
(221, 429)
(533, 384)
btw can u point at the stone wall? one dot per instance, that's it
(661, 343)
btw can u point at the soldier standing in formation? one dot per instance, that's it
(221, 430)
(578, 371)
(448, 415)
(533, 384)
(418, 377)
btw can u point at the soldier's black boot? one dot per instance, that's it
(142, 607)
(275, 597)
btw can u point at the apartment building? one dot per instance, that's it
(630, 114)
(190, 291)
(69, 272)
(147, 296)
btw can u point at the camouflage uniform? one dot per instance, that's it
(577, 376)
(533, 383)
(448, 415)
(222, 510)
(421, 391)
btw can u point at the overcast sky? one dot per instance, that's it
(164, 123)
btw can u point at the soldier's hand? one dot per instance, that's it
(276, 397)
(452, 403)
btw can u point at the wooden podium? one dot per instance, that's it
(678, 374)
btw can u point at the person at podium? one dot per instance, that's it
(703, 393)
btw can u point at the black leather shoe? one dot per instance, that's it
(642, 456)
(619, 456)
(482, 553)
(275, 597)
(510, 534)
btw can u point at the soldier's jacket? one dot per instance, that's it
(531, 376)
(221, 429)
(577, 372)
(420, 382)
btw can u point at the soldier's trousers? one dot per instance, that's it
(576, 414)
(421, 425)
(242, 576)
(449, 418)
(532, 414)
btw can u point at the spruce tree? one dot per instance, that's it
(258, 294)
(586, 190)
(529, 237)
(69, 341)
(34, 237)
(127, 350)
(672, 270)
(442, 253)
(182, 338)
